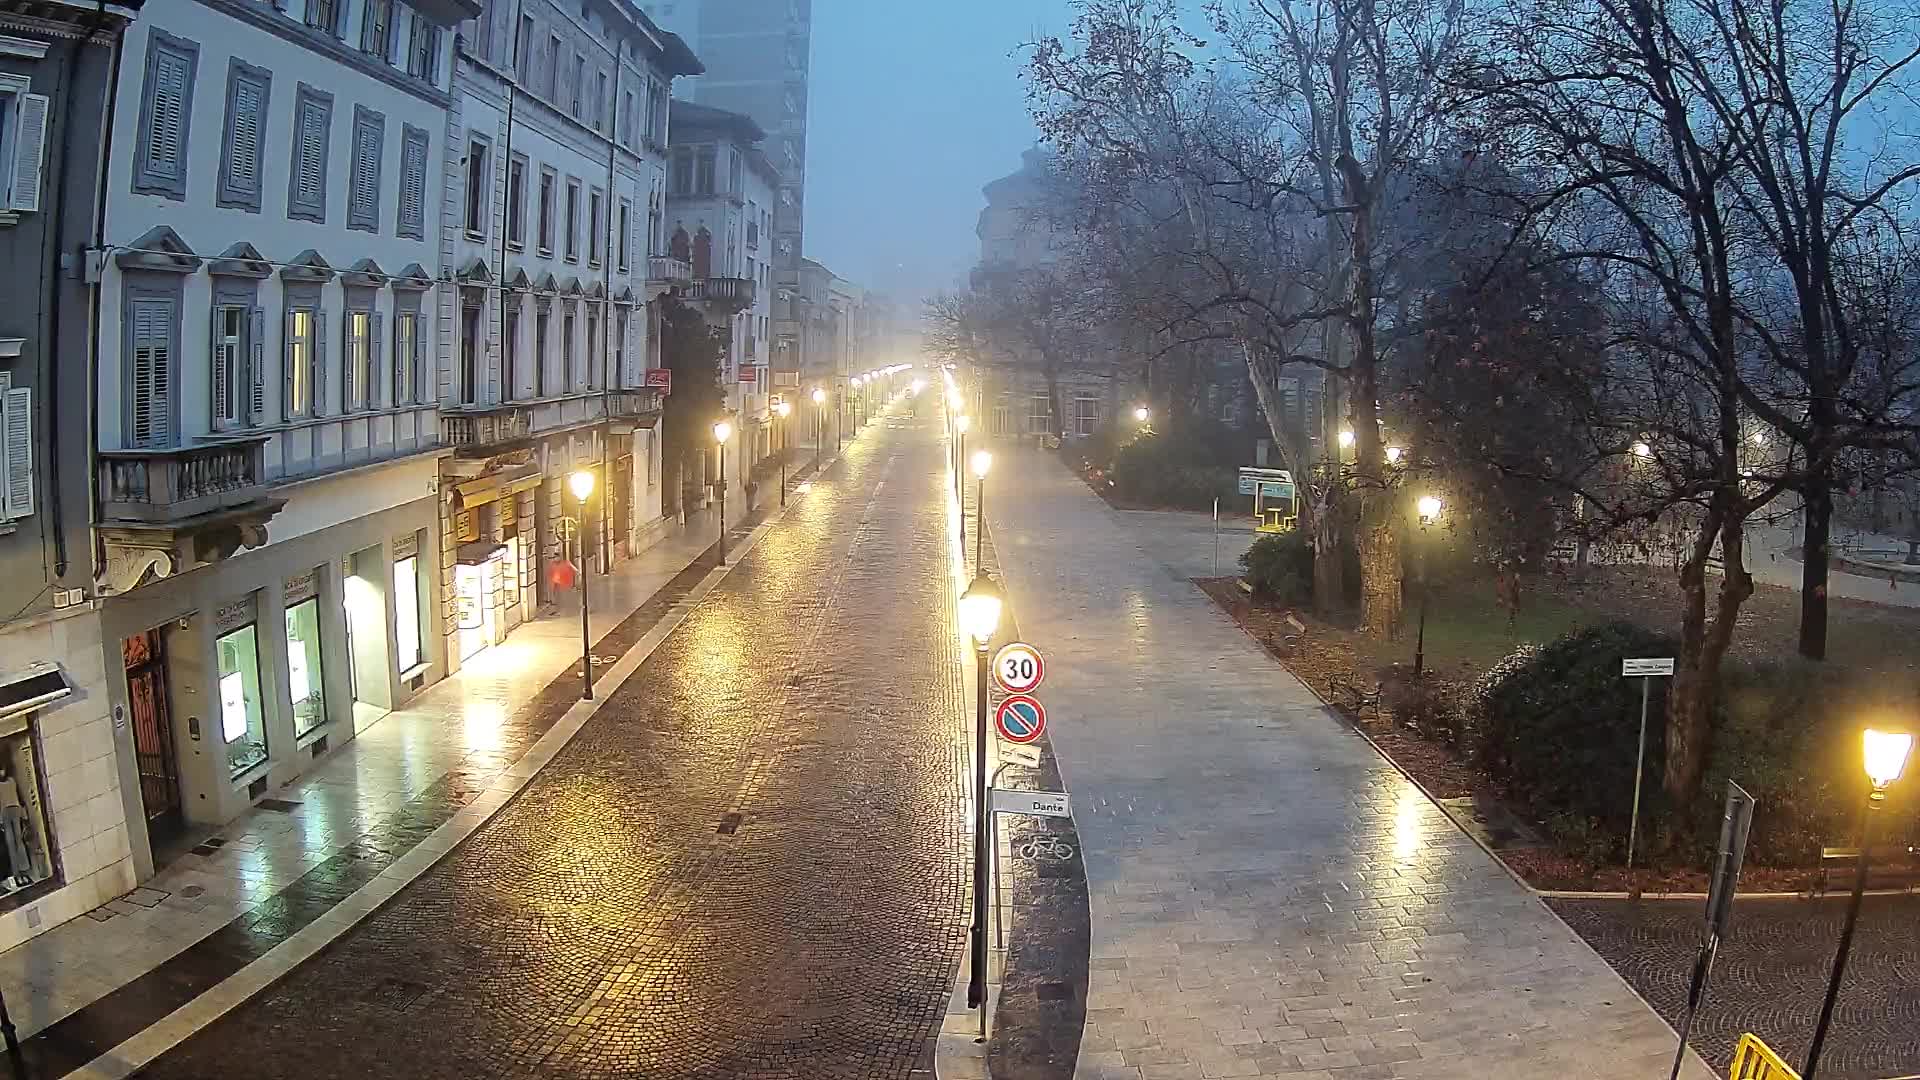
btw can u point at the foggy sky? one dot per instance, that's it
(915, 105)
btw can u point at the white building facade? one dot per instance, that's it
(551, 225)
(270, 350)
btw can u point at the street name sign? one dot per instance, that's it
(1018, 668)
(1035, 803)
(1025, 756)
(1021, 719)
(1646, 668)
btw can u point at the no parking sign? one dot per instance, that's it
(1021, 719)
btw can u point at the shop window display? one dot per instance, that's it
(242, 723)
(304, 678)
(23, 819)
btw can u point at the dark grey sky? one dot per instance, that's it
(915, 105)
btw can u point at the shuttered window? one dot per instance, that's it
(16, 450)
(594, 199)
(301, 330)
(307, 173)
(150, 340)
(369, 147)
(229, 378)
(412, 215)
(479, 181)
(166, 111)
(406, 342)
(248, 93)
(23, 121)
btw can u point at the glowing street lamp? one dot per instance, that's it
(781, 410)
(982, 461)
(979, 618)
(1642, 450)
(581, 483)
(1394, 454)
(1142, 414)
(1884, 754)
(1429, 508)
(722, 431)
(1346, 438)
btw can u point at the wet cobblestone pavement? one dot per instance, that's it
(750, 863)
(1771, 976)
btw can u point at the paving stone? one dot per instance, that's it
(599, 927)
(1276, 844)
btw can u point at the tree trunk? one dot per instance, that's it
(1815, 554)
(1703, 648)
(1378, 539)
(1329, 567)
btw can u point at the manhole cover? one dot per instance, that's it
(279, 806)
(729, 824)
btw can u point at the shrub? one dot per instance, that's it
(1189, 469)
(1423, 705)
(1559, 726)
(1280, 567)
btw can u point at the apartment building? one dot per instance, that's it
(556, 191)
(268, 439)
(720, 196)
(758, 56)
(64, 845)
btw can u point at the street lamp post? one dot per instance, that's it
(982, 461)
(979, 618)
(1429, 508)
(722, 431)
(960, 425)
(582, 484)
(783, 409)
(1885, 755)
(819, 427)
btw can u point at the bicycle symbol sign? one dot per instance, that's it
(1021, 719)
(1018, 668)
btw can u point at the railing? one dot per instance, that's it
(160, 486)
(668, 269)
(1754, 1060)
(499, 425)
(728, 292)
(629, 403)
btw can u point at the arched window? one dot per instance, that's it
(680, 247)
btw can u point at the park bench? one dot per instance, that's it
(1889, 866)
(1355, 697)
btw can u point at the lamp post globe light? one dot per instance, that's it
(982, 462)
(581, 484)
(979, 619)
(819, 427)
(783, 409)
(722, 431)
(1142, 414)
(1884, 754)
(1429, 507)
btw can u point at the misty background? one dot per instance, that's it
(915, 105)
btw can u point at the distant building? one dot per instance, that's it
(758, 55)
(720, 196)
(64, 806)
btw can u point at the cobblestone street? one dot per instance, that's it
(1772, 972)
(750, 863)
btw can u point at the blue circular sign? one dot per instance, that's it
(1021, 719)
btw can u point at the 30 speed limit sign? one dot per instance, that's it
(1017, 668)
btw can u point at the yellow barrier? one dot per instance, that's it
(1754, 1060)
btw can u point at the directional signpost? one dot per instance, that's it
(1035, 803)
(1018, 668)
(1021, 719)
(1646, 670)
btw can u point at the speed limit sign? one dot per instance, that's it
(1017, 668)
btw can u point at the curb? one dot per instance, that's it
(143, 1048)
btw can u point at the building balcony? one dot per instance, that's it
(666, 273)
(721, 295)
(167, 486)
(166, 510)
(486, 430)
(630, 409)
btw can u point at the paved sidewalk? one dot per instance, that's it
(1269, 896)
(451, 741)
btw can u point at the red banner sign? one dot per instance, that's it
(660, 379)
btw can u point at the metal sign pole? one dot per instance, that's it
(1735, 820)
(1639, 768)
(1216, 536)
